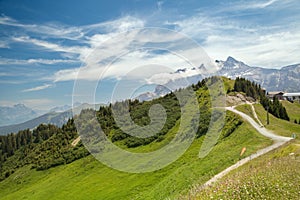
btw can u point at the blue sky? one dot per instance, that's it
(44, 43)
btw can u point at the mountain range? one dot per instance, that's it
(53, 117)
(18, 117)
(285, 79)
(16, 114)
(159, 91)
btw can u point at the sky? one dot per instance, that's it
(46, 46)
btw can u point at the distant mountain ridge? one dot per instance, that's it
(16, 114)
(285, 79)
(64, 107)
(56, 118)
(158, 92)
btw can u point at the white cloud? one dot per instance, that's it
(51, 30)
(66, 75)
(4, 44)
(5, 61)
(7, 20)
(266, 50)
(263, 4)
(159, 5)
(76, 32)
(118, 25)
(243, 5)
(91, 38)
(80, 52)
(219, 37)
(117, 57)
(42, 87)
(15, 82)
(49, 45)
(266, 46)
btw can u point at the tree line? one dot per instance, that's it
(43, 147)
(48, 145)
(254, 90)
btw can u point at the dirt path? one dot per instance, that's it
(254, 113)
(75, 142)
(278, 141)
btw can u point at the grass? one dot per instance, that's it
(278, 126)
(275, 175)
(89, 179)
(228, 83)
(246, 108)
(293, 110)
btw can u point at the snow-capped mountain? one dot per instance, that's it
(284, 79)
(158, 92)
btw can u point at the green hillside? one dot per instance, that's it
(43, 164)
(89, 179)
(275, 175)
(47, 166)
(278, 126)
(293, 110)
(245, 108)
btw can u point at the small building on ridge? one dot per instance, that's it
(292, 96)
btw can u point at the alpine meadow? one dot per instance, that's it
(149, 100)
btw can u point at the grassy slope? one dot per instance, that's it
(293, 110)
(245, 108)
(88, 179)
(275, 175)
(278, 126)
(228, 83)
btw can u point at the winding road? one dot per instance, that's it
(278, 141)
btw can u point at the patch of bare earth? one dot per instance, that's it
(237, 99)
(75, 142)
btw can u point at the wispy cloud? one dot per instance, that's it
(219, 35)
(91, 36)
(15, 82)
(49, 45)
(51, 30)
(4, 44)
(5, 61)
(126, 52)
(262, 4)
(252, 4)
(257, 50)
(260, 44)
(122, 24)
(159, 5)
(42, 87)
